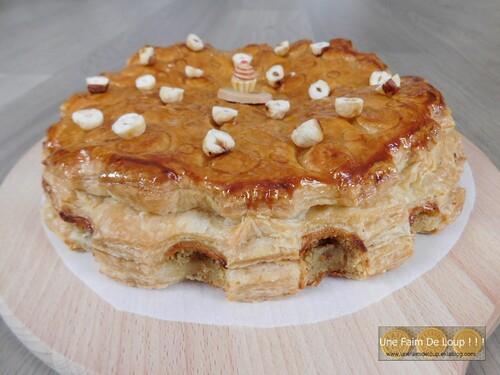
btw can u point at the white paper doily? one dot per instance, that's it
(334, 297)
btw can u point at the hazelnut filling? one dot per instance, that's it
(332, 256)
(194, 265)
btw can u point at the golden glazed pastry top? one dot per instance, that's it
(165, 170)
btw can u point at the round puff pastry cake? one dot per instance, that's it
(163, 181)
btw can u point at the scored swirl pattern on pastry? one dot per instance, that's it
(265, 169)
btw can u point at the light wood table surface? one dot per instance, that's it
(49, 47)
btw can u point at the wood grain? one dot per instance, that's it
(49, 47)
(71, 328)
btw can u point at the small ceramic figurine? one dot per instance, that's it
(244, 78)
(244, 81)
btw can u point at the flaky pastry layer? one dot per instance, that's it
(258, 257)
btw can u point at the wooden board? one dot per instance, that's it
(73, 330)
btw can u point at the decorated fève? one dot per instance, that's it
(244, 78)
